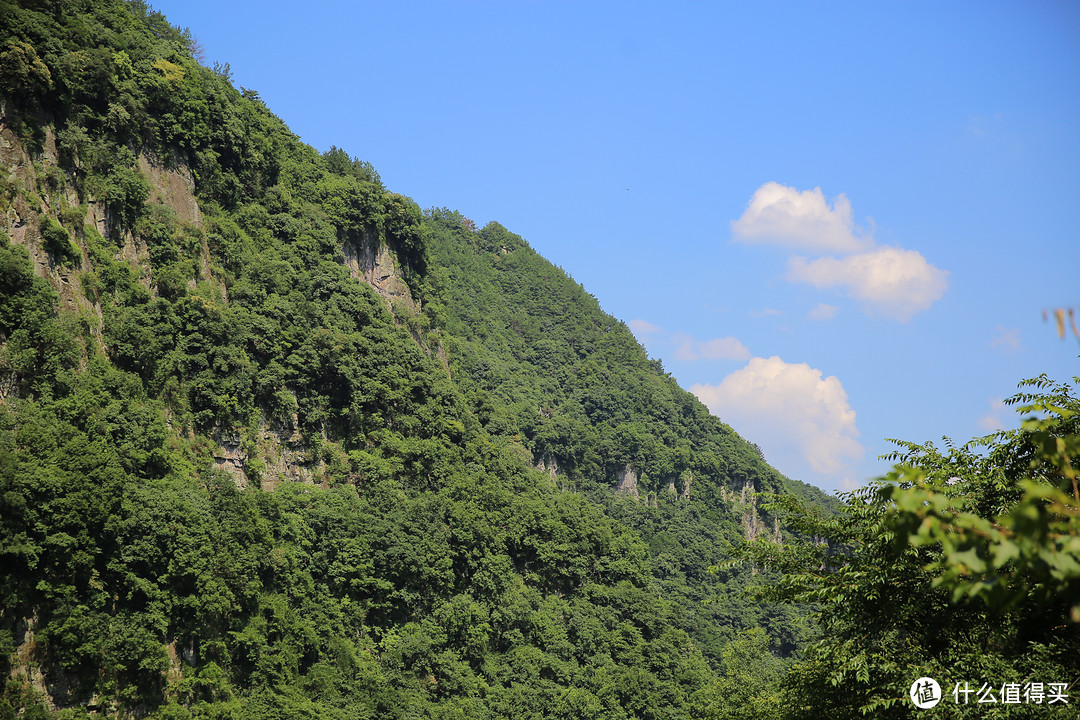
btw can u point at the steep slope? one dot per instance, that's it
(540, 361)
(571, 379)
(196, 308)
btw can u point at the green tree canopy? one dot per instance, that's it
(962, 565)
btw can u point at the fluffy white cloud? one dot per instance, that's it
(643, 327)
(781, 215)
(822, 312)
(994, 420)
(796, 415)
(687, 347)
(726, 348)
(892, 282)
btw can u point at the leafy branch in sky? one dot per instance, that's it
(1007, 521)
(962, 564)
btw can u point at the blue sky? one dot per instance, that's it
(835, 222)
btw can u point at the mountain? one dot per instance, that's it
(275, 442)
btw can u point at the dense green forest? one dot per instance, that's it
(276, 443)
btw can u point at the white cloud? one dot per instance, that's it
(726, 348)
(889, 281)
(822, 312)
(643, 327)
(764, 312)
(688, 347)
(1007, 338)
(849, 485)
(993, 420)
(781, 215)
(797, 416)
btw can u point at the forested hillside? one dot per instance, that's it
(276, 443)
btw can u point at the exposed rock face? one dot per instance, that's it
(287, 458)
(686, 478)
(228, 456)
(276, 456)
(558, 478)
(627, 481)
(272, 455)
(372, 262)
(23, 668)
(22, 219)
(47, 193)
(174, 187)
(549, 465)
(746, 503)
(685, 494)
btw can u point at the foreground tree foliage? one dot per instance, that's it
(1009, 530)
(961, 565)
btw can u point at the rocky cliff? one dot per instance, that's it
(46, 210)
